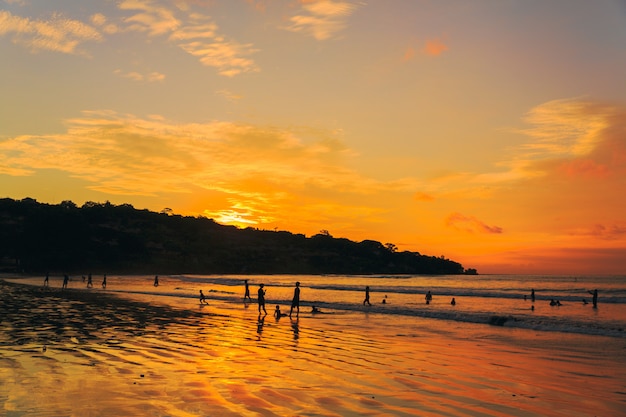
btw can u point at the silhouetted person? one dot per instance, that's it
(89, 281)
(104, 281)
(453, 302)
(46, 280)
(367, 296)
(202, 298)
(261, 298)
(83, 279)
(246, 295)
(429, 297)
(295, 302)
(532, 295)
(552, 302)
(594, 299)
(65, 281)
(315, 310)
(278, 314)
(156, 280)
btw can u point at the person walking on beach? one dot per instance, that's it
(89, 281)
(104, 281)
(295, 302)
(65, 281)
(46, 281)
(202, 298)
(156, 280)
(594, 299)
(247, 293)
(367, 296)
(261, 298)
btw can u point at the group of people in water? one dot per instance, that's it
(88, 279)
(557, 303)
(295, 302)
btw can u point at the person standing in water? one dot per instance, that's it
(66, 279)
(156, 280)
(295, 302)
(594, 299)
(532, 295)
(104, 281)
(246, 295)
(46, 281)
(89, 281)
(367, 296)
(261, 298)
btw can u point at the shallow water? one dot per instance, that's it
(479, 299)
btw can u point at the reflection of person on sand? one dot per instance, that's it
(594, 299)
(429, 297)
(260, 323)
(156, 280)
(367, 296)
(89, 281)
(104, 281)
(46, 281)
(202, 298)
(247, 293)
(261, 298)
(278, 314)
(295, 302)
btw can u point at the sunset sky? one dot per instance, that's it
(492, 132)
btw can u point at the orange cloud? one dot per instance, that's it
(434, 47)
(420, 196)
(470, 224)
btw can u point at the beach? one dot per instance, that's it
(76, 352)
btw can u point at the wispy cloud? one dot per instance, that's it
(149, 17)
(470, 224)
(322, 19)
(572, 137)
(58, 34)
(434, 47)
(256, 166)
(137, 76)
(195, 33)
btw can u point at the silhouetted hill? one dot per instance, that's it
(104, 238)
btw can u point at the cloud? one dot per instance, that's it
(136, 76)
(470, 224)
(124, 154)
(434, 47)
(194, 33)
(148, 17)
(229, 95)
(56, 34)
(322, 19)
(420, 196)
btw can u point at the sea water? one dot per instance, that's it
(492, 300)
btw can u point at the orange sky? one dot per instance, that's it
(492, 134)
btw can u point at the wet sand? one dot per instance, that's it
(90, 353)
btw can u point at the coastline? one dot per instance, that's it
(109, 355)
